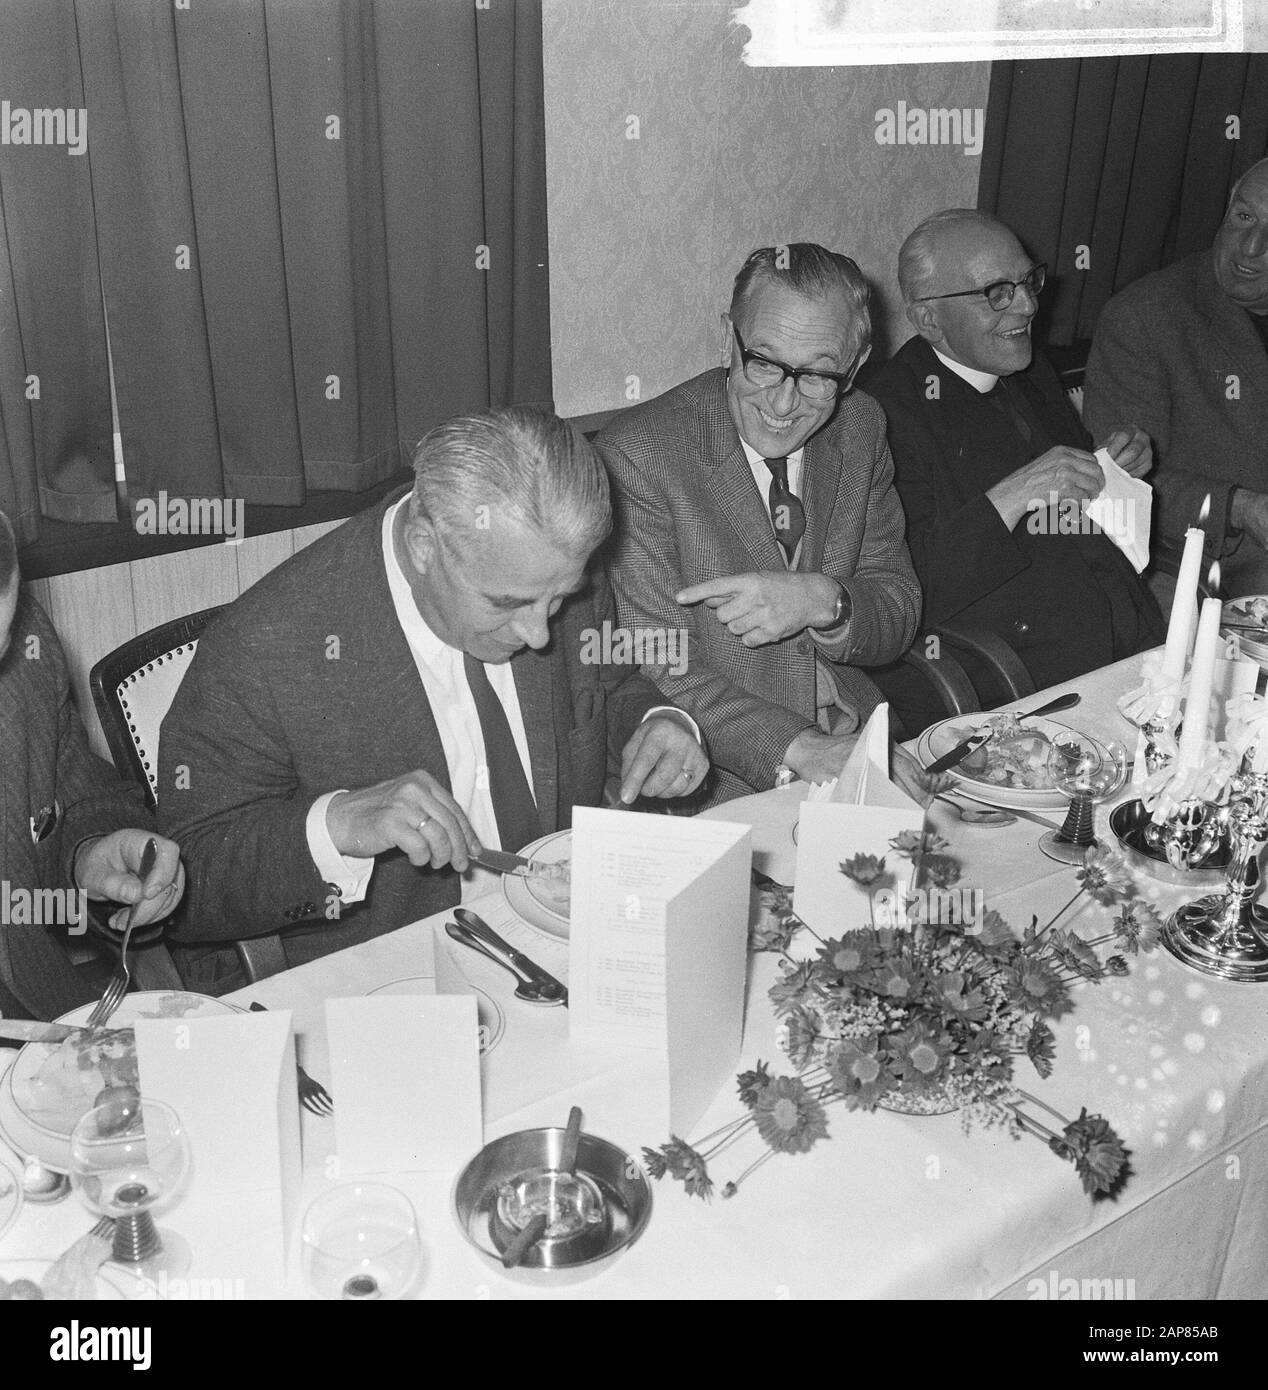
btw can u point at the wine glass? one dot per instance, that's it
(1087, 770)
(129, 1159)
(361, 1243)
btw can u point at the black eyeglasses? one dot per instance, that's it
(999, 294)
(765, 371)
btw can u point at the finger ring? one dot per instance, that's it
(425, 820)
(685, 773)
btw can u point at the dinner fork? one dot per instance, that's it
(73, 1274)
(313, 1096)
(117, 986)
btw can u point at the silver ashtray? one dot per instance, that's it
(1129, 822)
(592, 1216)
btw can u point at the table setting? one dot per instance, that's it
(528, 1096)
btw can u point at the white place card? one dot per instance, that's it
(231, 1080)
(659, 945)
(405, 1070)
(859, 813)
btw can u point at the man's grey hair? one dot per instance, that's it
(918, 255)
(1236, 188)
(526, 467)
(814, 272)
(8, 555)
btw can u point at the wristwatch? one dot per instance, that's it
(842, 610)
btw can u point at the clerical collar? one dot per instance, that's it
(979, 381)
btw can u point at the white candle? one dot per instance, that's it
(1183, 608)
(1197, 707)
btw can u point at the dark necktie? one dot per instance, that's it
(513, 803)
(786, 512)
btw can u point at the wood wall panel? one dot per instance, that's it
(96, 611)
(93, 614)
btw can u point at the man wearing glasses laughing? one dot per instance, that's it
(756, 511)
(991, 462)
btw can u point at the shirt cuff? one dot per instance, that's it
(350, 876)
(677, 714)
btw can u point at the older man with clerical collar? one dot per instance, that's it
(69, 825)
(991, 461)
(756, 510)
(1184, 352)
(416, 685)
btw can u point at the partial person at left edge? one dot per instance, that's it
(68, 822)
(413, 687)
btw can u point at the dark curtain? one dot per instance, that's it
(1130, 157)
(290, 206)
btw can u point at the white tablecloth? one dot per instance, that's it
(891, 1205)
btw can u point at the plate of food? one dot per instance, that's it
(51, 1085)
(544, 902)
(1247, 619)
(20, 1281)
(1010, 768)
(10, 1194)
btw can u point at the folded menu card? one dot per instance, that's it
(231, 1080)
(405, 1070)
(659, 943)
(859, 813)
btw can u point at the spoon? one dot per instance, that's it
(530, 991)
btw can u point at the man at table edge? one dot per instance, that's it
(415, 685)
(1184, 352)
(67, 820)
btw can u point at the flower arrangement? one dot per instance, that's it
(930, 1016)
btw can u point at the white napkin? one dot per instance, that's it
(1122, 510)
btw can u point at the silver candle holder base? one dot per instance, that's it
(1226, 934)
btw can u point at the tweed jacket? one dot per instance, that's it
(1174, 355)
(688, 510)
(45, 762)
(306, 685)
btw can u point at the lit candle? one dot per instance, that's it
(1185, 603)
(1201, 679)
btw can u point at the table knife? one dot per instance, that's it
(543, 981)
(501, 862)
(969, 745)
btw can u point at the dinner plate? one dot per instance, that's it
(531, 899)
(10, 1194)
(1239, 610)
(941, 738)
(42, 1098)
(113, 1283)
(492, 1017)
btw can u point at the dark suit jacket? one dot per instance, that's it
(45, 760)
(1174, 355)
(688, 510)
(1066, 603)
(306, 685)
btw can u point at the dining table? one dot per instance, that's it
(890, 1205)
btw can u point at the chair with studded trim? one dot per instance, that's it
(133, 688)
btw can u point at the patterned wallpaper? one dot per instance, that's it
(668, 161)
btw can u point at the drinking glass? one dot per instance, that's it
(129, 1159)
(360, 1243)
(1087, 770)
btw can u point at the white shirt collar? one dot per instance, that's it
(420, 637)
(979, 381)
(794, 459)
